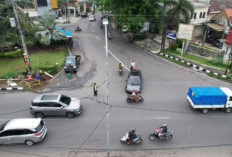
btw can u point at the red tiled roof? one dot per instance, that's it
(219, 5)
(228, 13)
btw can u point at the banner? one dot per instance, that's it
(229, 37)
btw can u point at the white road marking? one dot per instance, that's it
(148, 118)
(97, 37)
(117, 59)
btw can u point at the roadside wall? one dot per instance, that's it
(202, 51)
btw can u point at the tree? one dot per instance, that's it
(176, 12)
(47, 30)
(9, 34)
(133, 13)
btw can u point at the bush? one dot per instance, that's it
(50, 69)
(12, 54)
(140, 36)
(12, 74)
(173, 46)
(217, 61)
(179, 42)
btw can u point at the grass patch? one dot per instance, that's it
(196, 59)
(11, 67)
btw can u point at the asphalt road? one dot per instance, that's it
(165, 86)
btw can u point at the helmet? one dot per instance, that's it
(134, 90)
(164, 125)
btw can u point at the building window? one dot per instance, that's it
(200, 16)
(203, 15)
(194, 15)
(42, 3)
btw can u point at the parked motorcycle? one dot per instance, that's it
(137, 140)
(109, 36)
(155, 135)
(130, 99)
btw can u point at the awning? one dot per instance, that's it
(64, 31)
(216, 27)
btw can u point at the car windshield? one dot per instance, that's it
(91, 16)
(134, 81)
(65, 99)
(2, 125)
(70, 61)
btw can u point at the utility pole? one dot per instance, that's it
(25, 54)
(67, 1)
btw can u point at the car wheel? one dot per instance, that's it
(39, 115)
(70, 115)
(29, 142)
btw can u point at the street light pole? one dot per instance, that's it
(105, 22)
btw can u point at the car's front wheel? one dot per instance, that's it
(70, 115)
(39, 115)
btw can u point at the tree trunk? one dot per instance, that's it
(163, 38)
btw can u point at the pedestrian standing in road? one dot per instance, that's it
(95, 89)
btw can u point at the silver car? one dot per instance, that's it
(22, 130)
(53, 104)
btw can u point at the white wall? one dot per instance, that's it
(227, 49)
(199, 20)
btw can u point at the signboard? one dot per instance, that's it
(229, 37)
(185, 31)
(171, 34)
(54, 4)
(12, 22)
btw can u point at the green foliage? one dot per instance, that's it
(133, 13)
(179, 42)
(217, 61)
(140, 36)
(178, 11)
(173, 46)
(9, 74)
(9, 34)
(11, 54)
(47, 31)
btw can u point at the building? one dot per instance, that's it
(199, 17)
(40, 7)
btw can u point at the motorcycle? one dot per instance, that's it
(120, 72)
(109, 36)
(155, 135)
(130, 99)
(78, 29)
(137, 140)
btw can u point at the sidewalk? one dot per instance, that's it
(220, 151)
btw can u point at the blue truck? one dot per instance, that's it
(205, 98)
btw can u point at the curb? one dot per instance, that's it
(194, 66)
(11, 88)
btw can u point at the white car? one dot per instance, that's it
(22, 130)
(92, 18)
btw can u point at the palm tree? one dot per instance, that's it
(47, 30)
(176, 11)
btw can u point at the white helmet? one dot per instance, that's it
(164, 125)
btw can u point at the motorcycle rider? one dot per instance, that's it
(164, 130)
(131, 136)
(135, 95)
(120, 66)
(78, 27)
(133, 66)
